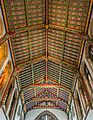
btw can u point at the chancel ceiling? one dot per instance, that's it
(47, 45)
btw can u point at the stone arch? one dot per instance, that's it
(50, 115)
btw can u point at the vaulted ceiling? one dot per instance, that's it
(47, 46)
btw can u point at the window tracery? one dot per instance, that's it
(46, 115)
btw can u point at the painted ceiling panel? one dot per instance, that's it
(77, 13)
(59, 7)
(39, 71)
(55, 38)
(46, 44)
(62, 94)
(53, 71)
(37, 41)
(72, 47)
(28, 94)
(52, 91)
(35, 11)
(20, 45)
(25, 76)
(40, 91)
(67, 77)
(16, 14)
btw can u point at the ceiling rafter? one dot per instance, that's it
(30, 46)
(53, 81)
(67, 6)
(11, 35)
(46, 27)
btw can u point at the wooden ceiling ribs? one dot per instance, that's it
(11, 34)
(47, 38)
(46, 27)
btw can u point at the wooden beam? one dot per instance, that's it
(21, 66)
(89, 12)
(52, 80)
(81, 53)
(64, 29)
(79, 33)
(47, 99)
(46, 27)
(20, 30)
(47, 107)
(46, 86)
(76, 32)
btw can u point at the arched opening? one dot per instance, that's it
(46, 115)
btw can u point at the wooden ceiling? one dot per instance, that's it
(46, 46)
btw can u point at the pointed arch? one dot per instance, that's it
(50, 115)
